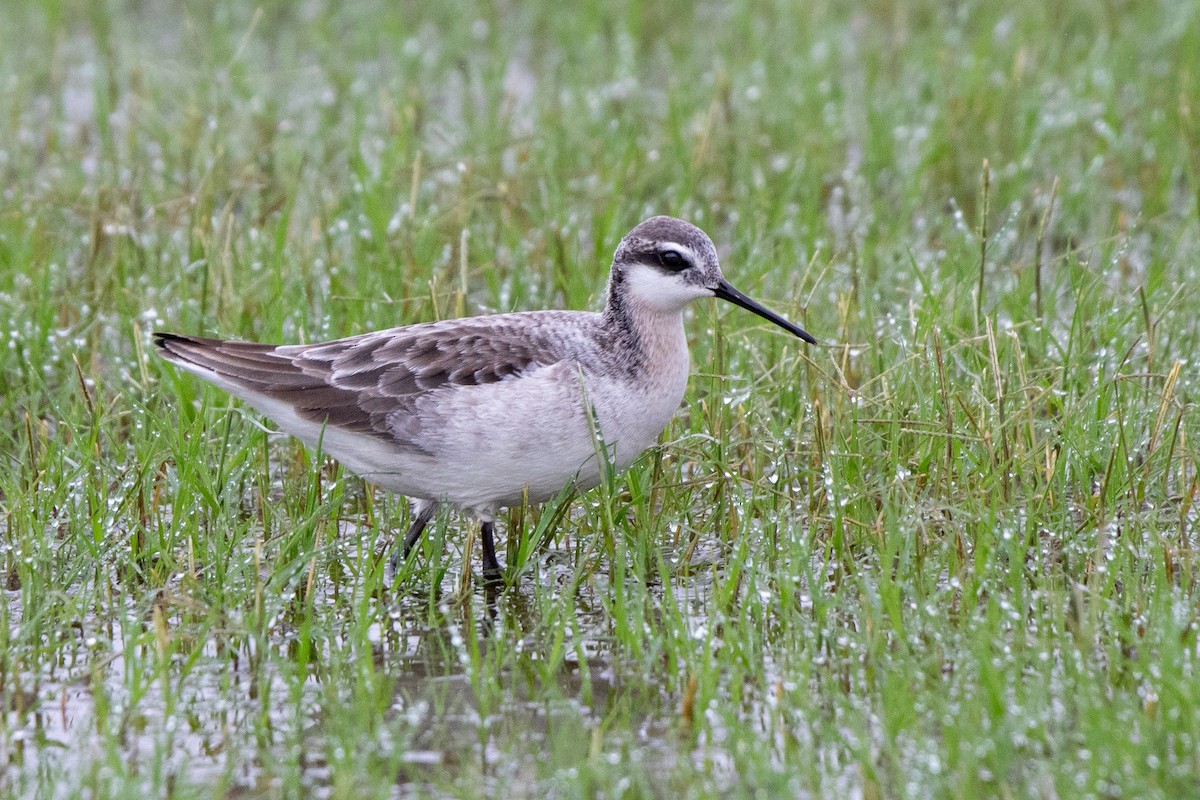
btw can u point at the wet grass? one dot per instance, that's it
(950, 553)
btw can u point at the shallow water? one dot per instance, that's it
(227, 706)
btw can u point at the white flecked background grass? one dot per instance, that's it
(949, 553)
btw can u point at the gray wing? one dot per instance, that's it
(359, 382)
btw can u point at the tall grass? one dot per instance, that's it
(949, 553)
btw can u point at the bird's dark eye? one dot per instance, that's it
(669, 259)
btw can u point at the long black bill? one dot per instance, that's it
(726, 292)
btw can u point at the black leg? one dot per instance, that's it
(491, 567)
(414, 533)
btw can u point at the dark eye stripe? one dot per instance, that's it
(669, 259)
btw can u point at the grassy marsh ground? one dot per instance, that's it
(952, 553)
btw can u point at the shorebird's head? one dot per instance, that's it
(665, 263)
